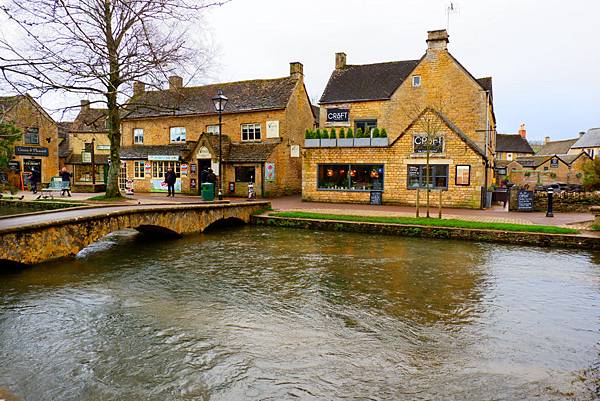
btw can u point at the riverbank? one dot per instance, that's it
(585, 240)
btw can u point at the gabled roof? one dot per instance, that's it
(244, 96)
(90, 120)
(63, 128)
(512, 143)
(486, 83)
(366, 82)
(556, 147)
(250, 152)
(538, 160)
(63, 148)
(450, 125)
(212, 142)
(591, 139)
(8, 102)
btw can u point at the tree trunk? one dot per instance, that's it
(427, 175)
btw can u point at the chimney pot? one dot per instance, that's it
(340, 61)
(522, 131)
(546, 140)
(296, 70)
(175, 82)
(85, 105)
(138, 88)
(437, 40)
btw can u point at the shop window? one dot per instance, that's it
(138, 169)
(245, 174)
(177, 134)
(250, 132)
(366, 125)
(31, 136)
(416, 81)
(350, 177)
(138, 136)
(159, 168)
(83, 173)
(438, 176)
(213, 129)
(463, 175)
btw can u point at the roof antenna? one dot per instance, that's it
(450, 9)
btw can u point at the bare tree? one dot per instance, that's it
(99, 48)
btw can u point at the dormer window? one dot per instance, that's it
(416, 81)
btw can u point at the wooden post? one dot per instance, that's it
(417, 202)
(440, 206)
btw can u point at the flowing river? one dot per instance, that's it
(277, 314)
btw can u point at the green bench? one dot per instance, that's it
(56, 185)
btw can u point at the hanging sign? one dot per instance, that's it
(338, 115)
(269, 172)
(273, 129)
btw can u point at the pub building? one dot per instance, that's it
(263, 127)
(38, 145)
(432, 105)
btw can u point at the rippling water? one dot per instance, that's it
(265, 313)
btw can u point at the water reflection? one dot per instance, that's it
(259, 313)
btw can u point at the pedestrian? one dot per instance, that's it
(170, 179)
(211, 177)
(66, 181)
(203, 175)
(34, 179)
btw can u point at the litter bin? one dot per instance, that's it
(208, 191)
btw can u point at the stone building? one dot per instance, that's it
(549, 169)
(509, 147)
(38, 145)
(588, 142)
(263, 128)
(432, 103)
(86, 131)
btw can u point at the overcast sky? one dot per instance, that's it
(544, 56)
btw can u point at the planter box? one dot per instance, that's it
(359, 142)
(328, 143)
(379, 141)
(312, 143)
(345, 142)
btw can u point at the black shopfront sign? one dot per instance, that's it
(14, 165)
(554, 162)
(338, 115)
(420, 144)
(30, 151)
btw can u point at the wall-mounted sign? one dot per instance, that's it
(14, 165)
(184, 169)
(215, 167)
(193, 183)
(273, 129)
(231, 186)
(193, 168)
(147, 169)
(338, 115)
(31, 151)
(103, 147)
(86, 157)
(435, 145)
(295, 151)
(269, 172)
(163, 158)
(554, 162)
(463, 175)
(203, 153)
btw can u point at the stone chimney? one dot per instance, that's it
(437, 40)
(523, 131)
(340, 61)
(296, 70)
(581, 134)
(85, 105)
(546, 140)
(175, 82)
(139, 88)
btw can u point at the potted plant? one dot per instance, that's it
(310, 139)
(326, 139)
(361, 139)
(345, 140)
(378, 138)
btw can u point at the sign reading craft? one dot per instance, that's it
(163, 158)
(338, 115)
(30, 151)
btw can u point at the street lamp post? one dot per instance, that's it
(549, 212)
(220, 101)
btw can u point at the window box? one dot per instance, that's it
(361, 142)
(379, 141)
(345, 142)
(328, 143)
(312, 143)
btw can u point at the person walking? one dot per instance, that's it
(170, 179)
(66, 181)
(34, 179)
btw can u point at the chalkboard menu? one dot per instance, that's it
(376, 197)
(525, 201)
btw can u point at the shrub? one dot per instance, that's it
(307, 134)
(527, 173)
(359, 133)
(552, 175)
(324, 134)
(349, 134)
(332, 134)
(591, 175)
(317, 134)
(342, 133)
(376, 133)
(383, 133)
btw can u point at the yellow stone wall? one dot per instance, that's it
(77, 141)
(564, 173)
(396, 159)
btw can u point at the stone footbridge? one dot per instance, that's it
(36, 238)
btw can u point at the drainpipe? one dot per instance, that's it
(262, 180)
(487, 139)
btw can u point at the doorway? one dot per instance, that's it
(29, 164)
(203, 164)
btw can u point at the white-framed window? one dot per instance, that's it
(509, 156)
(416, 81)
(159, 168)
(251, 132)
(213, 129)
(138, 169)
(177, 134)
(31, 136)
(138, 136)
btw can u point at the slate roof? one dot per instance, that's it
(250, 152)
(90, 120)
(591, 139)
(486, 83)
(316, 112)
(556, 147)
(244, 96)
(76, 159)
(63, 128)
(536, 161)
(366, 82)
(63, 148)
(8, 102)
(512, 143)
(137, 152)
(213, 140)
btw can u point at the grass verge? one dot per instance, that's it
(422, 221)
(104, 198)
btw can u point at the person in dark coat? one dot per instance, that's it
(170, 179)
(66, 178)
(34, 179)
(203, 176)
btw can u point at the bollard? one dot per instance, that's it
(550, 195)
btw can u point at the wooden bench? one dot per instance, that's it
(56, 185)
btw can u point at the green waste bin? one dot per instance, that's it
(208, 191)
